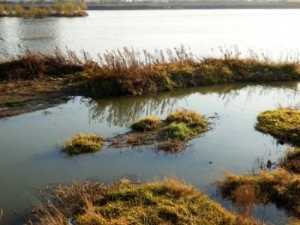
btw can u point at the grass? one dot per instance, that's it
(291, 160)
(171, 134)
(279, 187)
(82, 143)
(147, 123)
(124, 202)
(66, 9)
(283, 124)
(131, 72)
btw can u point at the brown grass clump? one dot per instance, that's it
(283, 124)
(291, 160)
(82, 143)
(146, 124)
(171, 146)
(158, 202)
(278, 187)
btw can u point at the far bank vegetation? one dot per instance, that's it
(66, 9)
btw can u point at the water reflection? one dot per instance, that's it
(122, 111)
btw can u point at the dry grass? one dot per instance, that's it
(279, 187)
(158, 202)
(82, 143)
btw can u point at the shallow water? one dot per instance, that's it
(30, 156)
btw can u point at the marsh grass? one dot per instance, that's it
(66, 9)
(169, 201)
(169, 135)
(171, 146)
(278, 187)
(128, 71)
(147, 123)
(82, 143)
(282, 124)
(291, 160)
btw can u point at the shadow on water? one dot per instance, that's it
(124, 110)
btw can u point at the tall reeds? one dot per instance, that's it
(128, 71)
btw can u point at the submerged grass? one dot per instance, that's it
(283, 124)
(82, 143)
(124, 202)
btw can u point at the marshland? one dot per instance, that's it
(97, 86)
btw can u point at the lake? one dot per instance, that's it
(30, 156)
(271, 33)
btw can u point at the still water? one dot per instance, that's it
(271, 33)
(30, 156)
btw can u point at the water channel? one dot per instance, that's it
(30, 156)
(30, 144)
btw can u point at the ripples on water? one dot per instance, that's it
(30, 157)
(268, 32)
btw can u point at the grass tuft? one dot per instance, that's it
(146, 124)
(124, 202)
(282, 124)
(82, 143)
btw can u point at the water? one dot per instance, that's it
(270, 33)
(30, 144)
(30, 156)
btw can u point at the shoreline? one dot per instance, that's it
(145, 5)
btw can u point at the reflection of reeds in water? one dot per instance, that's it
(1, 213)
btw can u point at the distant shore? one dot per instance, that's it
(193, 5)
(147, 5)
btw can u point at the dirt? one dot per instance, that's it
(20, 97)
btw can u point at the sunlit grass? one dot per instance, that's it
(82, 143)
(283, 124)
(279, 187)
(124, 202)
(147, 123)
(128, 71)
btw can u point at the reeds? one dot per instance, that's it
(132, 72)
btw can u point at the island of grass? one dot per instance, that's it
(66, 9)
(82, 143)
(38, 76)
(124, 202)
(283, 124)
(169, 135)
(280, 186)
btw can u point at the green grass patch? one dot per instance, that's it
(146, 124)
(179, 131)
(283, 124)
(124, 202)
(192, 119)
(82, 143)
